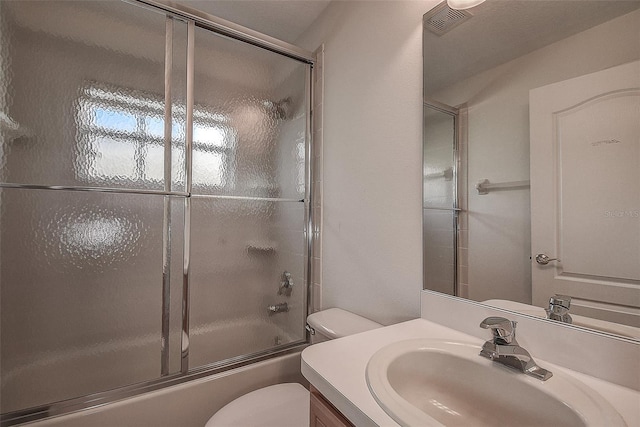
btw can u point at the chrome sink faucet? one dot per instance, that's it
(504, 348)
(559, 308)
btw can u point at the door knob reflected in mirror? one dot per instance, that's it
(543, 259)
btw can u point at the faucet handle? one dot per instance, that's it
(286, 285)
(502, 329)
(563, 301)
(559, 308)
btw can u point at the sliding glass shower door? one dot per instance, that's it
(440, 200)
(153, 200)
(81, 268)
(247, 205)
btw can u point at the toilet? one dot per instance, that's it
(283, 405)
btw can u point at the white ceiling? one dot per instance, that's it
(283, 19)
(501, 30)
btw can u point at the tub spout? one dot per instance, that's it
(278, 308)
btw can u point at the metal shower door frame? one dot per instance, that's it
(193, 18)
(455, 209)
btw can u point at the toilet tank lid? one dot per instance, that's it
(336, 323)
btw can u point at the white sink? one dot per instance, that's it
(422, 382)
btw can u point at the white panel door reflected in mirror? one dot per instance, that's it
(485, 67)
(585, 159)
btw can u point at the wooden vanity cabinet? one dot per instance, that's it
(323, 414)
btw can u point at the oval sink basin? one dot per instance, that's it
(425, 382)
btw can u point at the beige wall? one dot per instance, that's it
(372, 156)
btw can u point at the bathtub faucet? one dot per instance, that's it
(286, 285)
(278, 308)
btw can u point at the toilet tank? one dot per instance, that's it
(336, 323)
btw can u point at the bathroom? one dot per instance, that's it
(367, 203)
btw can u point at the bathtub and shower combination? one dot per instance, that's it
(155, 216)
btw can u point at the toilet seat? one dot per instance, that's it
(278, 405)
(287, 405)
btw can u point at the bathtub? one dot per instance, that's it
(73, 372)
(188, 404)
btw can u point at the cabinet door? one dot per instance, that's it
(322, 414)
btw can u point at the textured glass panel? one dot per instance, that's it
(208, 167)
(239, 251)
(114, 119)
(209, 135)
(439, 232)
(83, 100)
(154, 167)
(154, 126)
(439, 250)
(113, 159)
(250, 108)
(178, 105)
(438, 166)
(81, 292)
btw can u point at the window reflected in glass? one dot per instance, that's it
(121, 139)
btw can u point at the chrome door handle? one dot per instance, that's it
(543, 259)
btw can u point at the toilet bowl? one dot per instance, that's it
(283, 405)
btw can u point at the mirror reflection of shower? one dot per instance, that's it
(440, 207)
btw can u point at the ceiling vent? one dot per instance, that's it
(442, 19)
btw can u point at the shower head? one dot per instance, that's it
(280, 110)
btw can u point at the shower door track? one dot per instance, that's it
(230, 29)
(96, 400)
(262, 199)
(94, 189)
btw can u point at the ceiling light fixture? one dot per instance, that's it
(463, 4)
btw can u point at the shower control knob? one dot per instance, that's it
(543, 259)
(286, 286)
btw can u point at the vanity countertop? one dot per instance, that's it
(337, 369)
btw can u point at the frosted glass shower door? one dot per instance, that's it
(86, 104)
(247, 205)
(81, 292)
(146, 229)
(85, 199)
(439, 214)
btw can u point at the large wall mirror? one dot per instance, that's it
(532, 158)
